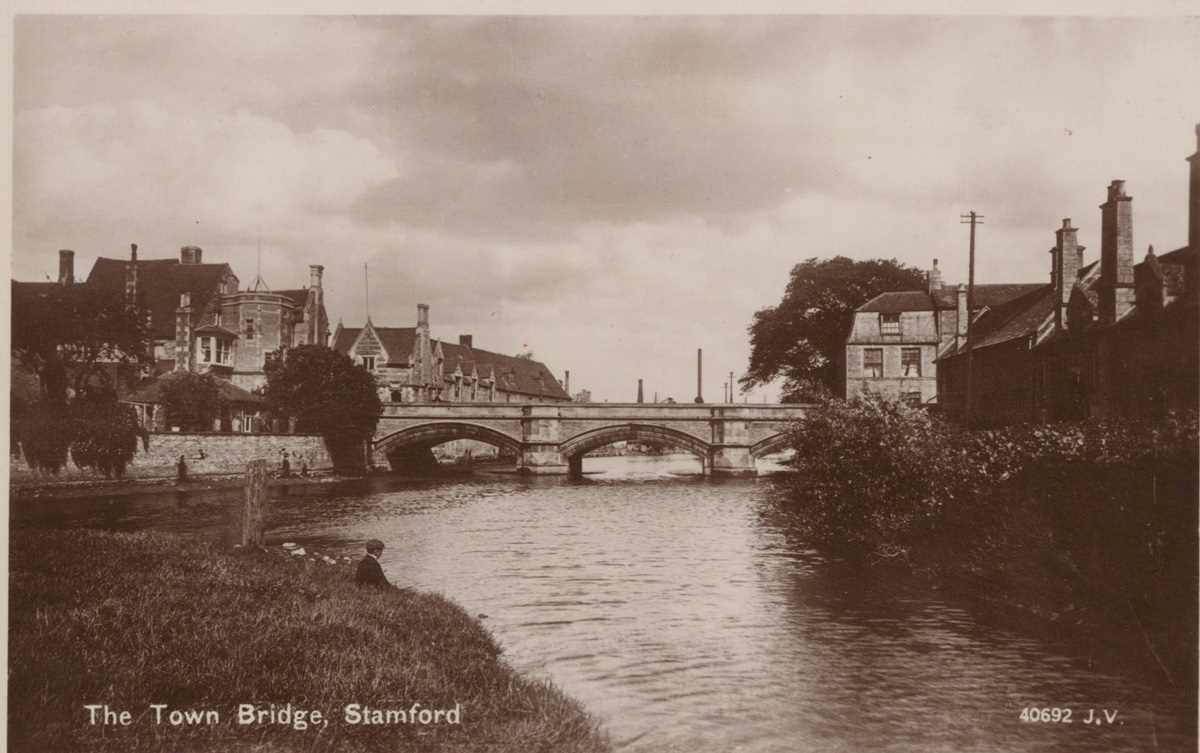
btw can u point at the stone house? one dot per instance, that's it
(896, 337)
(200, 321)
(410, 366)
(1106, 339)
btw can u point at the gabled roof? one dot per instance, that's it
(160, 283)
(397, 341)
(988, 295)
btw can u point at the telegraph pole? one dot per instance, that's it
(972, 219)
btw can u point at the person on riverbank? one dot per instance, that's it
(369, 572)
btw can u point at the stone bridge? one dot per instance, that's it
(555, 437)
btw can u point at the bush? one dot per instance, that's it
(879, 478)
(192, 401)
(104, 435)
(44, 432)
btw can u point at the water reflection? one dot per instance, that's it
(688, 616)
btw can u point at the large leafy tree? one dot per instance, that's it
(66, 333)
(803, 339)
(327, 394)
(192, 401)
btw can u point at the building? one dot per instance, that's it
(412, 367)
(896, 337)
(200, 321)
(1113, 338)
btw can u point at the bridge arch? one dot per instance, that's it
(435, 433)
(581, 444)
(774, 443)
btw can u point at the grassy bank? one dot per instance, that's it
(134, 620)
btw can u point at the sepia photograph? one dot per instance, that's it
(702, 381)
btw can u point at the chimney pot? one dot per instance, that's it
(315, 273)
(132, 252)
(66, 266)
(185, 300)
(191, 255)
(465, 340)
(935, 278)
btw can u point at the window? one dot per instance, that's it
(222, 351)
(911, 399)
(206, 349)
(368, 362)
(215, 350)
(889, 325)
(249, 329)
(873, 362)
(910, 362)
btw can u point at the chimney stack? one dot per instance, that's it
(465, 340)
(66, 266)
(567, 383)
(935, 278)
(639, 391)
(191, 255)
(424, 348)
(131, 277)
(183, 333)
(1067, 256)
(1116, 254)
(960, 331)
(315, 273)
(699, 375)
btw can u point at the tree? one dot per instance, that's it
(192, 401)
(803, 339)
(65, 333)
(327, 394)
(104, 433)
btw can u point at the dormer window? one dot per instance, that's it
(367, 362)
(889, 325)
(215, 350)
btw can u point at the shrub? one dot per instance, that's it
(104, 435)
(44, 432)
(192, 401)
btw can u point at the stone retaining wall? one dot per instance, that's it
(205, 454)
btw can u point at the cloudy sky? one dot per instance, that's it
(609, 193)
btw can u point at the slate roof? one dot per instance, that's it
(151, 391)
(990, 295)
(1018, 317)
(512, 374)
(298, 297)
(397, 341)
(160, 283)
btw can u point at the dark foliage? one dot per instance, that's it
(803, 339)
(44, 431)
(65, 332)
(192, 401)
(327, 394)
(104, 434)
(1095, 520)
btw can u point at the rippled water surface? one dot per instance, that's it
(679, 613)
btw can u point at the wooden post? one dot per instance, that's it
(254, 509)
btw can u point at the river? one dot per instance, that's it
(686, 617)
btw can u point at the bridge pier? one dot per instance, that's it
(731, 461)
